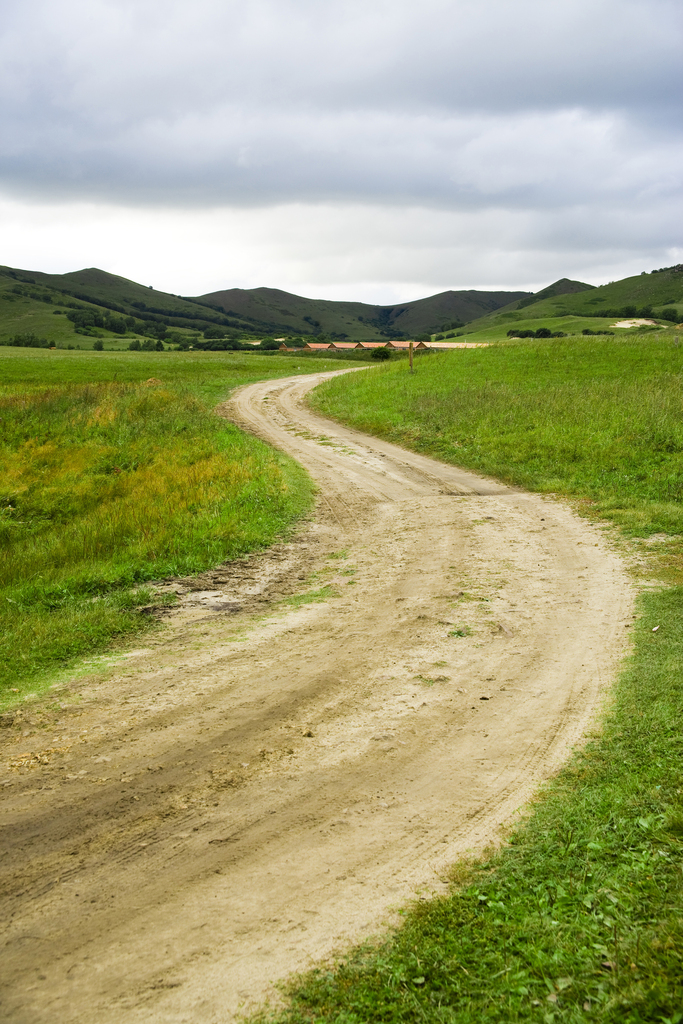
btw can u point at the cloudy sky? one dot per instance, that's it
(342, 148)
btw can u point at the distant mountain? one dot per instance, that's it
(264, 311)
(293, 314)
(118, 294)
(27, 299)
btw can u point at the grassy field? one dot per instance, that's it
(578, 916)
(596, 418)
(108, 481)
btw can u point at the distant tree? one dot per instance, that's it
(85, 318)
(98, 345)
(116, 324)
(543, 332)
(670, 314)
(215, 332)
(29, 340)
(516, 333)
(159, 347)
(134, 346)
(381, 353)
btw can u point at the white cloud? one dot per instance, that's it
(379, 254)
(432, 145)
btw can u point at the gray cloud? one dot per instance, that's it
(558, 122)
(453, 103)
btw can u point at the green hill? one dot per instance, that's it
(294, 314)
(644, 295)
(26, 298)
(69, 309)
(97, 290)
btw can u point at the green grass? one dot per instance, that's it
(497, 330)
(594, 418)
(658, 290)
(209, 376)
(108, 482)
(578, 917)
(311, 597)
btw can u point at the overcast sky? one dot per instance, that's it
(342, 148)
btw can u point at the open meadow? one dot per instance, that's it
(115, 471)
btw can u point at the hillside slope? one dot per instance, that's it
(659, 290)
(297, 315)
(255, 311)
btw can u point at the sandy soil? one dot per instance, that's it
(266, 781)
(638, 322)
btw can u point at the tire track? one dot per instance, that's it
(262, 783)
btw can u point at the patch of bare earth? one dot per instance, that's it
(266, 782)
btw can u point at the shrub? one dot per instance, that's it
(28, 340)
(98, 345)
(381, 353)
(215, 332)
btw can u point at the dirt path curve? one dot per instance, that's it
(268, 778)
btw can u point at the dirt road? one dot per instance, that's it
(269, 778)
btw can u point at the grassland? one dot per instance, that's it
(108, 482)
(658, 290)
(497, 330)
(597, 419)
(578, 916)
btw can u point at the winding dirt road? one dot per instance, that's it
(269, 778)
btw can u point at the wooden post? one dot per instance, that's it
(410, 356)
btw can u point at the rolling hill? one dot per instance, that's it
(256, 311)
(658, 290)
(293, 314)
(119, 308)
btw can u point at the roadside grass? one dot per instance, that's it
(594, 419)
(108, 483)
(579, 915)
